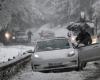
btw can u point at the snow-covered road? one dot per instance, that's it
(91, 72)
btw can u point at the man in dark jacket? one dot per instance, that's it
(84, 37)
(29, 36)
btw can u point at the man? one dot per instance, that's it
(29, 36)
(84, 37)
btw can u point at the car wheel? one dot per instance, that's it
(45, 71)
(33, 68)
(84, 64)
(81, 65)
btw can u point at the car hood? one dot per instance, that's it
(54, 54)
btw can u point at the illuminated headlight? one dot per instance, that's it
(73, 38)
(13, 37)
(70, 54)
(36, 56)
(94, 40)
(7, 35)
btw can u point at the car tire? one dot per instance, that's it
(81, 65)
(33, 68)
(45, 71)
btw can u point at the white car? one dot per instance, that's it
(56, 53)
(59, 53)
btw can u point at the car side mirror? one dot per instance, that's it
(74, 46)
(78, 46)
(31, 51)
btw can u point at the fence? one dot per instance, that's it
(11, 67)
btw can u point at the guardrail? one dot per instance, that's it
(11, 67)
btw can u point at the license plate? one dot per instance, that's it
(55, 64)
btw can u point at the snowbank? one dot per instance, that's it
(10, 52)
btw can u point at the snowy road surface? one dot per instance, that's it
(91, 72)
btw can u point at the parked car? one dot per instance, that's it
(21, 37)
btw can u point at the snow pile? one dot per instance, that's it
(10, 52)
(51, 76)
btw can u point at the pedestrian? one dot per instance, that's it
(29, 35)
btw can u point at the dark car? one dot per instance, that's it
(21, 37)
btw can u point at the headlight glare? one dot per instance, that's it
(94, 40)
(7, 35)
(13, 37)
(73, 38)
(36, 56)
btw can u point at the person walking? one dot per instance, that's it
(29, 35)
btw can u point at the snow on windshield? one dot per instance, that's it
(53, 44)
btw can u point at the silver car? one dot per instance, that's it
(59, 53)
(52, 54)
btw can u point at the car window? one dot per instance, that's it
(54, 44)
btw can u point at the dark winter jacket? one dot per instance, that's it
(84, 37)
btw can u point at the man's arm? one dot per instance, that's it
(89, 38)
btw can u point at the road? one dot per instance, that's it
(91, 72)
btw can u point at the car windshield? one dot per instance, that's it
(54, 44)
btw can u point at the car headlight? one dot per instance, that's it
(13, 37)
(70, 54)
(73, 38)
(94, 40)
(7, 35)
(36, 56)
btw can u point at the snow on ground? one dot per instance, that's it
(88, 73)
(28, 74)
(8, 52)
(52, 76)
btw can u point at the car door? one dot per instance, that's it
(89, 53)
